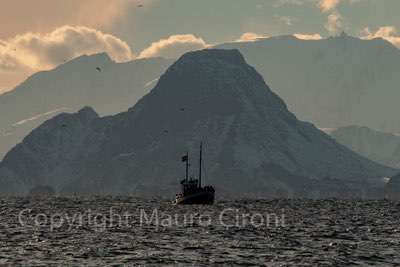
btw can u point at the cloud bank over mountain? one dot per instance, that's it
(44, 51)
(251, 36)
(174, 46)
(388, 33)
(303, 36)
(34, 51)
(25, 54)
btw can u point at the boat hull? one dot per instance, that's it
(199, 198)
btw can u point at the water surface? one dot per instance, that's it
(93, 231)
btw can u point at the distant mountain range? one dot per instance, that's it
(377, 146)
(253, 145)
(96, 81)
(331, 82)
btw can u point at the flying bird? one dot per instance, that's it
(140, 5)
(98, 69)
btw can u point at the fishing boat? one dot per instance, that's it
(192, 190)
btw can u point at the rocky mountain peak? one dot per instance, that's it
(88, 113)
(232, 56)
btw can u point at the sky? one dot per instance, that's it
(41, 34)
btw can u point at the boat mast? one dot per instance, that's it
(200, 159)
(187, 166)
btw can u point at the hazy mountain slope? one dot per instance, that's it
(332, 82)
(52, 154)
(254, 145)
(95, 81)
(377, 146)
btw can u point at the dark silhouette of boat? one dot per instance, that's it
(192, 190)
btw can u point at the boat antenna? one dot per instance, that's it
(200, 159)
(187, 166)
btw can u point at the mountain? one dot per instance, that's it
(377, 146)
(331, 82)
(95, 81)
(253, 145)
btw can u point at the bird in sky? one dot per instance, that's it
(98, 69)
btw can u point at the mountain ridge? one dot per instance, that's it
(320, 89)
(380, 147)
(85, 81)
(254, 145)
(331, 82)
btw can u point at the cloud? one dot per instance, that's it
(334, 20)
(314, 36)
(328, 5)
(250, 37)
(334, 23)
(43, 51)
(388, 33)
(174, 46)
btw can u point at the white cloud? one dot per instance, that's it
(250, 37)
(388, 33)
(328, 5)
(302, 36)
(334, 23)
(43, 51)
(174, 46)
